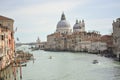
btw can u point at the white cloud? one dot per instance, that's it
(43, 12)
(111, 5)
(103, 25)
(48, 7)
(43, 17)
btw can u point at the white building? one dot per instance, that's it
(116, 37)
(84, 46)
(98, 46)
(65, 39)
(51, 43)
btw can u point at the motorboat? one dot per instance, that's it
(95, 61)
(20, 65)
(50, 57)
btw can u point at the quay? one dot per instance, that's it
(22, 57)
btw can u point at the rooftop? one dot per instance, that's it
(5, 18)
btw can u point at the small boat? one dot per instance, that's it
(95, 61)
(50, 57)
(24, 65)
(20, 65)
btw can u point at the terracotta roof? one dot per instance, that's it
(5, 18)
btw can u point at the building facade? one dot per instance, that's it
(6, 41)
(78, 40)
(116, 37)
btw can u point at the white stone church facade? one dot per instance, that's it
(66, 39)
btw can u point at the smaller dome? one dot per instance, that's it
(76, 25)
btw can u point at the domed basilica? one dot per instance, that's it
(71, 39)
(64, 27)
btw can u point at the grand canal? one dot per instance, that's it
(65, 66)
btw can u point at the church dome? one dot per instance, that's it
(63, 23)
(76, 25)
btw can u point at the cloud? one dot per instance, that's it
(103, 25)
(33, 19)
(49, 7)
(39, 17)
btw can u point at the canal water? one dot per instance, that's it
(65, 66)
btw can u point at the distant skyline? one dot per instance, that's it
(38, 18)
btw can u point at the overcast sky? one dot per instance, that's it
(38, 18)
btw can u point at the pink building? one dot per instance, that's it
(6, 42)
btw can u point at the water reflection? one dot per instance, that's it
(11, 73)
(117, 73)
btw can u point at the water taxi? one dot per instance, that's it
(95, 61)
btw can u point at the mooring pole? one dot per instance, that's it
(20, 71)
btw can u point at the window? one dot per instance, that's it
(0, 58)
(80, 40)
(11, 34)
(2, 37)
(115, 40)
(54, 39)
(9, 24)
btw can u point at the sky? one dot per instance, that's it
(38, 18)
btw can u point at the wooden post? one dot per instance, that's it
(119, 57)
(14, 73)
(20, 71)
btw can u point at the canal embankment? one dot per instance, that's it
(20, 58)
(105, 53)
